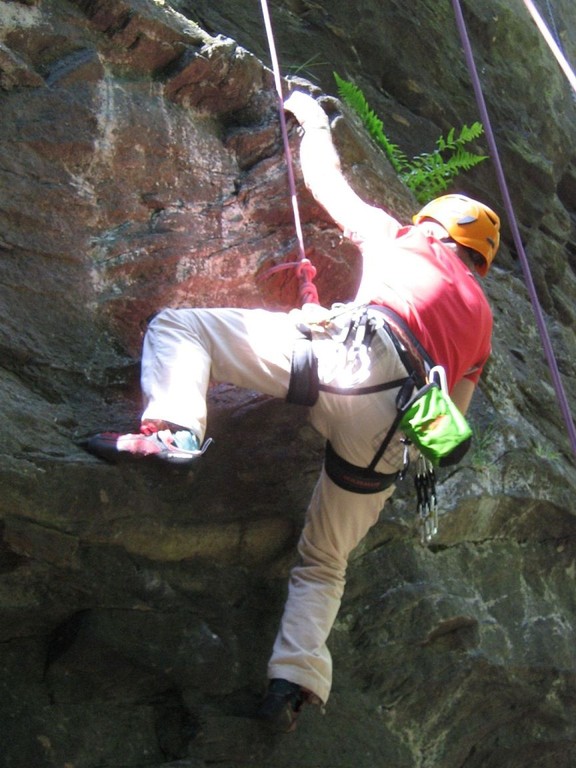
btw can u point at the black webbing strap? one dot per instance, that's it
(405, 355)
(401, 400)
(352, 478)
(303, 386)
(363, 390)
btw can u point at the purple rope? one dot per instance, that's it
(556, 379)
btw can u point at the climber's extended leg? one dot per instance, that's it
(336, 521)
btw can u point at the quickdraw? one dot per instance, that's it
(427, 509)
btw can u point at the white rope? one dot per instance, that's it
(278, 82)
(562, 60)
(305, 270)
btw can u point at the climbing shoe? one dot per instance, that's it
(281, 706)
(177, 445)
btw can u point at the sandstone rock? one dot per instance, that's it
(141, 166)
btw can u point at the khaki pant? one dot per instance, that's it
(185, 348)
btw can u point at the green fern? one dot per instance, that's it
(355, 99)
(428, 174)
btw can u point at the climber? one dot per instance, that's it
(424, 273)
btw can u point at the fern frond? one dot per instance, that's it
(467, 134)
(355, 99)
(428, 174)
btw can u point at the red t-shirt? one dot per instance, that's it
(432, 290)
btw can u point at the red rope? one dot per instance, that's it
(306, 273)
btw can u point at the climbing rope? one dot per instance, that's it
(305, 271)
(558, 40)
(552, 43)
(513, 222)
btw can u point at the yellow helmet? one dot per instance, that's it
(468, 222)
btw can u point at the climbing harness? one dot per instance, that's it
(363, 480)
(305, 270)
(513, 222)
(425, 414)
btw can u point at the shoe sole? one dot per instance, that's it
(108, 451)
(283, 722)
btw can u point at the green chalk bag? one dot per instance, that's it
(434, 424)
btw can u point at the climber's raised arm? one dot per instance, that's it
(324, 177)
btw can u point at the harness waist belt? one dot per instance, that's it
(355, 479)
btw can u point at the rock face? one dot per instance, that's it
(142, 166)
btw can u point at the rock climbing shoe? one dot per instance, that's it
(281, 706)
(178, 446)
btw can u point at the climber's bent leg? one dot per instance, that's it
(185, 348)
